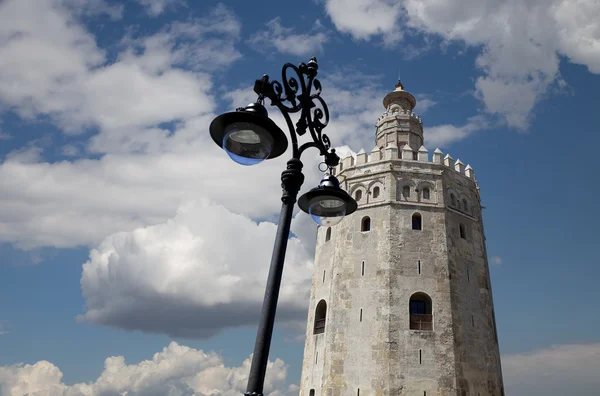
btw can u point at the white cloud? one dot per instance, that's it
(157, 7)
(175, 371)
(496, 260)
(521, 42)
(365, 18)
(143, 182)
(555, 371)
(50, 65)
(59, 201)
(424, 103)
(203, 271)
(70, 150)
(444, 135)
(286, 41)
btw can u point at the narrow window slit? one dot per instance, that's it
(419, 266)
(468, 276)
(462, 231)
(417, 223)
(472, 320)
(362, 269)
(365, 224)
(420, 360)
(323, 276)
(361, 314)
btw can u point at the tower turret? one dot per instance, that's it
(399, 124)
(401, 300)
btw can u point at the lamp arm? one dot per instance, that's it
(294, 95)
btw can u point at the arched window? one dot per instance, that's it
(426, 194)
(320, 314)
(406, 192)
(462, 231)
(417, 222)
(358, 195)
(452, 200)
(312, 392)
(375, 192)
(465, 205)
(365, 224)
(328, 234)
(421, 317)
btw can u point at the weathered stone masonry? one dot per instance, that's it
(376, 341)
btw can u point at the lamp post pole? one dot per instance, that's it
(291, 181)
(249, 136)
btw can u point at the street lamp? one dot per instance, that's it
(249, 137)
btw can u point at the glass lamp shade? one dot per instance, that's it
(327, 203)
(248, 136)
(326, 210)
(246, 143)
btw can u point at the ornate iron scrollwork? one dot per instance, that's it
(300, 91)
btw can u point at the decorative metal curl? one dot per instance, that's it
(300, 92)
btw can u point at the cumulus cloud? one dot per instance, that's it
(555, 371)
(363, 18)
(145, 178)
(496, 260)
(203, 271)
(287, 41)
(175, 371)
(51, 65)
(521, 43)
(444, 135)
(53, 204)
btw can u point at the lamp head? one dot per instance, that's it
(327, 203)
(248, 135)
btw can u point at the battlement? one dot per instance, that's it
(397, 112)
(392, 153)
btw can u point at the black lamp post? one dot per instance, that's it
(249, 137)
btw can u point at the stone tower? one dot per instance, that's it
(401, 301)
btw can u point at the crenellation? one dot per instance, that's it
(391, 151)
(423, 155)
(449, 161)
(361, 157)
(407, 153)
(376, 162)
(459, 167)
(469, 172)
(348, 162)
(438, 156)
(375, 155)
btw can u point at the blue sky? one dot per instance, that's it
(126, 234)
